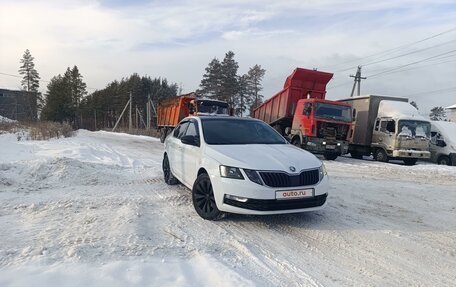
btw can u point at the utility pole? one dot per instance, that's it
(130, 119)
(358, 79)
(95, 114)
(148, 112)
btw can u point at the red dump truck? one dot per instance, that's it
(172, 110)
(301, 112)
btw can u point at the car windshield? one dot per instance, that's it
(411, 128)
(239, 131)
(333, 112)
(212, 107)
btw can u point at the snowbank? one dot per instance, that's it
(177, 272)
(6, 120)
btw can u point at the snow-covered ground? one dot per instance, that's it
(93, 210)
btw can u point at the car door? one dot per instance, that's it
(175, 154)
(191, 154)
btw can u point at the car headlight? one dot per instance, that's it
(323, 171)
(253, 176)
(230, 172)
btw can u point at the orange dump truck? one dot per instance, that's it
(172, 110)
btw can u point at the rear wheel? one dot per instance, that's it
(204, 199)
(443, 160)
(356, 155)
(330, 156)
(163, 134)
(380, 155)
(410, 161)
(167, 174)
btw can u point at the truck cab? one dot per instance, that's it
(401, 138)
(443, 143)
(322, 126)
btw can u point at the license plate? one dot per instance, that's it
(330, 146)
(293, 194)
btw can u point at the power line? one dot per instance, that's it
(44, 81)
(395, 57)
(432, 92)
(398, 71)
(392, 49)
(412, 63)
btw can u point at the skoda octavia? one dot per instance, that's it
(242, 165)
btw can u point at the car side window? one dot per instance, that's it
(192, 129)
(179, 131)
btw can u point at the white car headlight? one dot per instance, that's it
(230, 172)
(323, 171)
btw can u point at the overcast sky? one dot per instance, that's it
(175, 39)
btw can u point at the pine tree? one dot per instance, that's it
(31, 79)
(254, 77)
(58, 103)
(229, 80)
(77, 86)
(211, 83)
(437, 114)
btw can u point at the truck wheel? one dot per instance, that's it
(410, 161)
(330, 156)
(443, 160)
(279, 129)
(356, 155)
(296, 141)
(380, 155)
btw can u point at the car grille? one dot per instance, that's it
(274, 204)
(281, 179)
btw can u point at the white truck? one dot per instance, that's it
(443, 142)
(388, 128)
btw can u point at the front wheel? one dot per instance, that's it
(330, 156)
(380, 155)
(443, 160)
(204, 199)
(296, 142)
(410, 161)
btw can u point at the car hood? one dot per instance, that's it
(263, 156)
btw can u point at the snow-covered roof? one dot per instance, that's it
(451, 107)
(396, 109)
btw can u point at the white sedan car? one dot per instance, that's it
(241, 165)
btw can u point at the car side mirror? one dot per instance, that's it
(190, 140)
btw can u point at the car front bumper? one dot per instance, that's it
(261, 200)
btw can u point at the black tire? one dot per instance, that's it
(204, 200)
(443, 160)
(410, 161)
(330, 156)
(380, 155)
(356, 155)
(296, 142)
(279, 129)
(167, 173)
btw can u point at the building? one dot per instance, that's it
(451, 113)
(18, 105)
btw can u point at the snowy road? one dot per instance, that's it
(93, 210)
